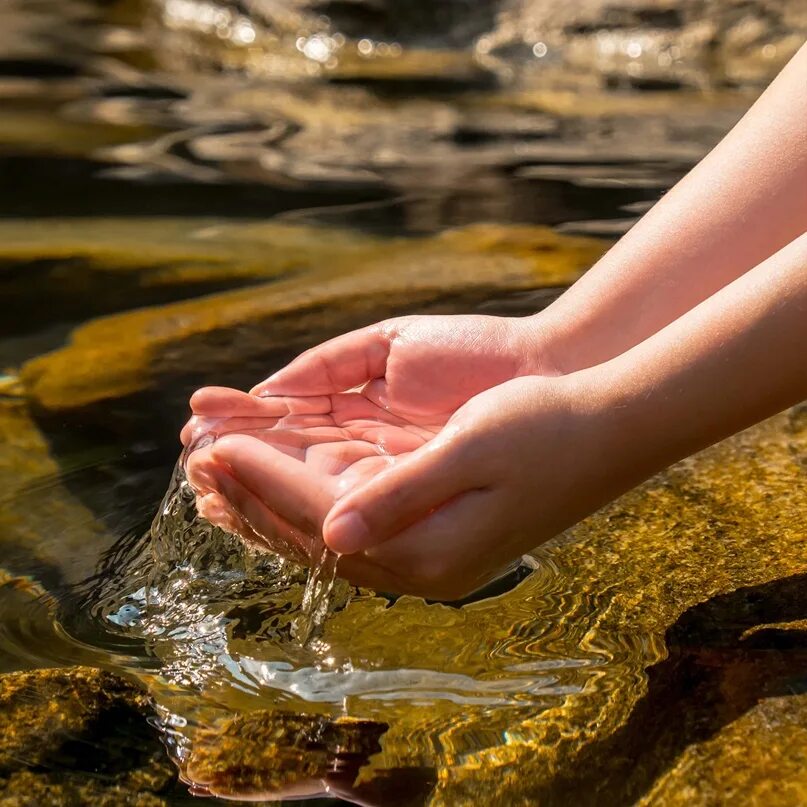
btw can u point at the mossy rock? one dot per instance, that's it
(340, 285)
(29, 789)
(761, 758)
(263, 752)
(78, 736)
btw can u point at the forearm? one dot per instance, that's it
(732, 361)
(745, 201)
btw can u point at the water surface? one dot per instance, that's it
(192, 193)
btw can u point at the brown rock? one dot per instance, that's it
(339, 284)
(78, 736)
(265, 752)
(761, 758)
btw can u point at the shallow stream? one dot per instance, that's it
(193, 192)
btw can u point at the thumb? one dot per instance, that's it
(402, 495)
(343, 363)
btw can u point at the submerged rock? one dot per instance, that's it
(96, 267)
(338, 283)
(60, 541)
(263, 753)
(76, 737)
(761, 758)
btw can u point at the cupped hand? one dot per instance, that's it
(272, 473)
(420, 367)
(513, 467)
(446, 508)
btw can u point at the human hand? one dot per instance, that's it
(513, 467)
(272, 474)
(414, 371)
(420, 367)
(446, 508)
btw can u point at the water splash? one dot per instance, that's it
(317, 597)
(188, 571)
(321, 585)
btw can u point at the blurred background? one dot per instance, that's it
(194, 191)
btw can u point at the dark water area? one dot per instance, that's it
(193, 192)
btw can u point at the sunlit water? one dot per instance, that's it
(208, 625)
(237, 631)
(209, 112)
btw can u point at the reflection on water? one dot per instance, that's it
(417, 156)
(269, 106)
(220, 621)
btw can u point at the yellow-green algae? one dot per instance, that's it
(360, 279)
(34, 538)
(52, 719)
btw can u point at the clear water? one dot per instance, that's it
(158, 152)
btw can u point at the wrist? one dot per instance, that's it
(544, 346)
(615, 431)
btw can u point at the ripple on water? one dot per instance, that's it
(433, 683)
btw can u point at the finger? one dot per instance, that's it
(226, 402)
(282, 483)
(242, 514)
(401, 495)
(263, 528)
(201, 472)
(219, 411)
(217, 510)
(452, 552)
(340, 364)
(361, 571)
(237, 511)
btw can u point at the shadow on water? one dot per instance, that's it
(724, 657)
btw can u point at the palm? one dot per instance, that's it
(420, 367)
(273, 472)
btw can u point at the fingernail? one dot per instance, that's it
(201, 481)
(347, 533)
